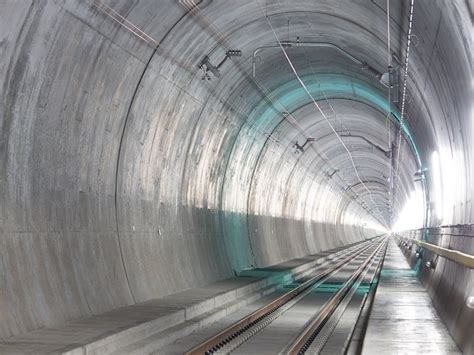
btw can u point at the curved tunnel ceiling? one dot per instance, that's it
(122, 169)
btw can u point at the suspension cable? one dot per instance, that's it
(195, 10)
(224, 41)
(343, 127)
(320, 110)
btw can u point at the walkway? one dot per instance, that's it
(403, 319)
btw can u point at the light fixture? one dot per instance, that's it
(431, 264)
(384, 79)
(418, 254)
(470, 302)
(388, 79)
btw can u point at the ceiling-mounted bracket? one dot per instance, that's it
(206, 65)
(329, 175)
(300, 147)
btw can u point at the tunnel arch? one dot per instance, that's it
(125, 177)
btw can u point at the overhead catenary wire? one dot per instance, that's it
(319, 107)
(320, 110)
(222, 39)
(114, 15)
(343, 127)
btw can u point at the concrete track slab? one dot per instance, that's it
(176, 314)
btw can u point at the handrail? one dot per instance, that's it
(453, 255)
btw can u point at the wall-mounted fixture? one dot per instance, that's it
(391, 79)
(470, 302)
(329, 175)
(300, 148)
(461, 258)
(420, 175)
(206, 66)
(431, 264)
(418, 253)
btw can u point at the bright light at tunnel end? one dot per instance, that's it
(411, 216)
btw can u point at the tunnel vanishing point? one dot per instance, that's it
(247, 176)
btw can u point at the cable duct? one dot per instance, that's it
(290, 44)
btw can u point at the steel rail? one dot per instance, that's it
(304, 340)
(365, 309)
(327, 330)
(459, 257)
(272, 316)
(217, 341)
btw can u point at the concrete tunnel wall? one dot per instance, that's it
(125, 177)
(449, 284)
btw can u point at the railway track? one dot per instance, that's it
(317, 330)
(316, 333)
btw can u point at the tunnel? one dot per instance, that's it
(167, 164)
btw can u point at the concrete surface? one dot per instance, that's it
(147, 326)
(124, 177)
(275, 337)
(403, 319)
(449, 284)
